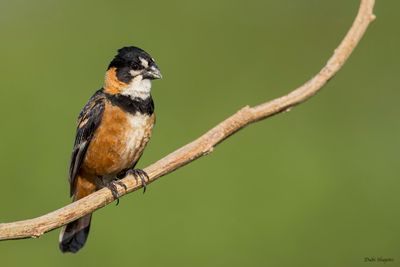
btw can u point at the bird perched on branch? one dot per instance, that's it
(113, 130)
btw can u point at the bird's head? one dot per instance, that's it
(130, 73)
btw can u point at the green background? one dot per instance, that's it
(318, 186)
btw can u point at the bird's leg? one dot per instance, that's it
(112, 185)
(118, 182)
(139, 174)
(113, 188)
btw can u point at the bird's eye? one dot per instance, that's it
(135, 66)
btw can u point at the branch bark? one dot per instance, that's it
(204, 144)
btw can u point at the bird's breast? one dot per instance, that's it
(118, 142)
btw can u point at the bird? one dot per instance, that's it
(113, 129)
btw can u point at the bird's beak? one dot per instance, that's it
(152, 73)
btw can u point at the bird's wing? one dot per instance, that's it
(88, 121)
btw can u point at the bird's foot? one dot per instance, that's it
(113, 188)
(139, 174)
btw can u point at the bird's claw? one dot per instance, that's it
(139, 174)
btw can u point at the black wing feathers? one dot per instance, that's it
(88, 121)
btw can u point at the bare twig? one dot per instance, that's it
(203, 145)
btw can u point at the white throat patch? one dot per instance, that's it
(138, 88)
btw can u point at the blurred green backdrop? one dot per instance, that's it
(318, 186)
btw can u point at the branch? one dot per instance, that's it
(201, 146)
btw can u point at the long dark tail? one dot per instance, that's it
(73, 236)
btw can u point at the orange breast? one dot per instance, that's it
(118, 142)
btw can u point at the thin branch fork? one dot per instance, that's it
(204, 144)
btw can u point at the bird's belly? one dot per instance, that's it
(118, 143)
(135, 140)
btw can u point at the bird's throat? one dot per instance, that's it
(138, 88)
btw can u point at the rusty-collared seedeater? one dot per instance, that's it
(113, 130)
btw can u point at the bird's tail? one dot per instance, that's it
(73, 235)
